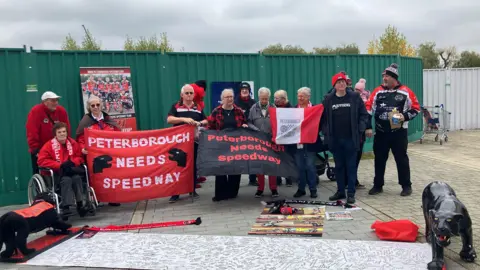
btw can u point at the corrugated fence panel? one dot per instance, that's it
(15, 168)
(188, 67)
(157, 79)
(291, 72)
(457, 91)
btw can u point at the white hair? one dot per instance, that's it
(281, 93)
(305, 90)
(227, 90)
(91, 99)
(264, 90)
(185, 87)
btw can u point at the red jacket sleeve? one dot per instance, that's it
(370, 103)
(413, 108)
(81, 140)
(77, 157)
(46, 157)
(33, 130)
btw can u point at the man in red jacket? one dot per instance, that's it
(40, 121)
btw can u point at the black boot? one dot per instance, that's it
(337, 196)
(82, 209)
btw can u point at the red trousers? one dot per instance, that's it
(272, 182)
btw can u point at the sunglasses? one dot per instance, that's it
(188, 93)
(95, 105)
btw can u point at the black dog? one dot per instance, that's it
(179, 156)
(445, 216)
(15, 226)
(101, 162)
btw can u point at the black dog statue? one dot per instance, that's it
(15, 226)
(445, 216)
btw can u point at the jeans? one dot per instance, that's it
(345, 157)
(306, 169)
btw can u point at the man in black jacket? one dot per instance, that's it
(343, 121)
(363, 138)
(381, 103)
(245, 102)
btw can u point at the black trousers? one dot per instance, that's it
(71, 189)
(397, 141)
(34, 163)
(359, 157)
(227, 186)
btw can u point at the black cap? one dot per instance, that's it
(245, 85)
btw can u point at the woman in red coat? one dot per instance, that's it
(63, 155)
(95, 119)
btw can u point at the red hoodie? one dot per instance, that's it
(39, 125)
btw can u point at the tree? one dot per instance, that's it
(279, 49)
(344, 49)
(391, 42)
(149, 44)
(429, 55)
(448, 55)
(89, 43)
(70, 44)
(468, 59)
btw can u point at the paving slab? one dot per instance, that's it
(454, 162)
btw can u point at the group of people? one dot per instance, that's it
(52, 147)
(345, 124)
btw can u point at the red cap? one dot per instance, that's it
(337, 77)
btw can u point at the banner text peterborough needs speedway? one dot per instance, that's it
(252, 145)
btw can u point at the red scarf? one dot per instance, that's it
(57, 147)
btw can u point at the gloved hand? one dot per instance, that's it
(35, 152)
(66, 168)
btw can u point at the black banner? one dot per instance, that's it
(242, 151)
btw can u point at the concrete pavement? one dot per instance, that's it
(453, 162)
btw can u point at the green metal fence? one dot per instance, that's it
(157, 79)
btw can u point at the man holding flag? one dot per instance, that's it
(343, 120)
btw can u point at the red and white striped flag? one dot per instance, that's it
(295, 125)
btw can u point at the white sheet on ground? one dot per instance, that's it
(200, 252)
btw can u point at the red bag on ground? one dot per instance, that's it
(398, 230)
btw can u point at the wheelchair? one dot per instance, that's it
(37, 185)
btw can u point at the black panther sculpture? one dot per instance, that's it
(445, 216)
(179, 156)
(101, 162)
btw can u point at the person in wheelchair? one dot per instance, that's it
(64, 157)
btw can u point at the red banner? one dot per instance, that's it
(140, 165)
(113, 85)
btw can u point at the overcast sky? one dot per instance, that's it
(240, 25)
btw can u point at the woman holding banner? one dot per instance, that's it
(188, 112)
(95, 119)
(281, 101)
(226, 116)
(306, 153)
(259, 117)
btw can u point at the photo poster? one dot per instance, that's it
(216, 89)
(113, 85)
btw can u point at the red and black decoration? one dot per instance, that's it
(112, 228)
(242, 151)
